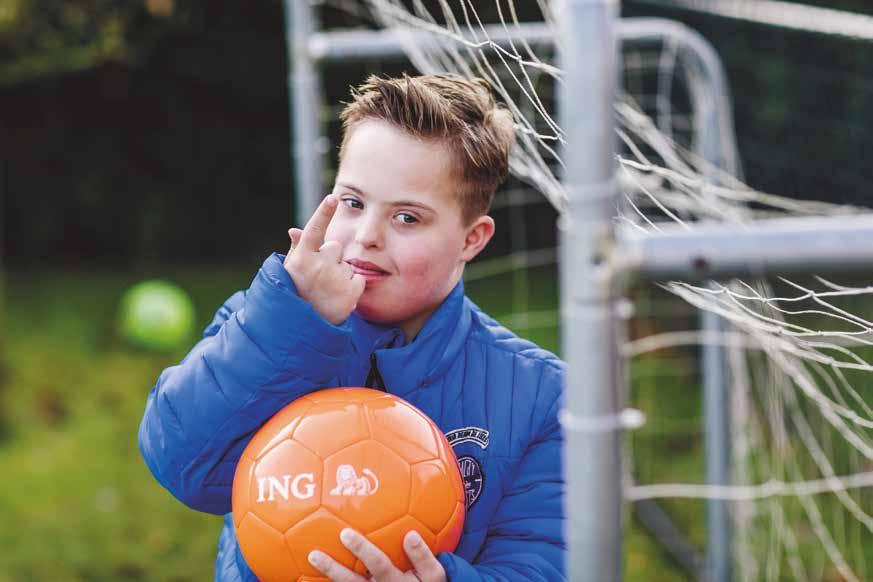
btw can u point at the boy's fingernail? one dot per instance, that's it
(415, 538)
(316, 559)
(347, 536)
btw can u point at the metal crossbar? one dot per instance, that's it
(764, 247)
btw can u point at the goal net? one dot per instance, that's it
(801, 488)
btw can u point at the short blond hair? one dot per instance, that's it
(459, 112)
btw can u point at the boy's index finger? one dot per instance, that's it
(314, 231)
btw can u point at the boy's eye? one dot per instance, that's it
(353, 203)
(406, 218)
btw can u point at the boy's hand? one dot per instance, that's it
(425, 566)
(317, 268)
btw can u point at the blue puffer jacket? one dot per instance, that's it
(494, 395)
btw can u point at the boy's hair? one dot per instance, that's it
(459, 112)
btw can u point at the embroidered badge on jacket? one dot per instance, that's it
(471, 468)
(468, 434)
(474, 478)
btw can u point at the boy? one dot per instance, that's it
(370, 293)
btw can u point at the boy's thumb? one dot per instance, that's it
(294, 234)
(359, 283)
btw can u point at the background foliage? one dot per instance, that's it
(138, 132)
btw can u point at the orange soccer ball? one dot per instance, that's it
(337, 458)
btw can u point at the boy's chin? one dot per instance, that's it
(373, 315)
(377, 314)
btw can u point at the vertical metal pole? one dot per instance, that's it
(716, 409)
(304, 82)
(717, 441)
(592, 453)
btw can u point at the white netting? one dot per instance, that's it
(799, 351)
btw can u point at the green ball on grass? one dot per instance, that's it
(157, 315)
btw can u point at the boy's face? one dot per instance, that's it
(399, 223)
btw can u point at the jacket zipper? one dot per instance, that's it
(374, 378)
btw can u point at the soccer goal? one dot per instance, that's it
(626, 176)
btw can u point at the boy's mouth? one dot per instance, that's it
(367, 268)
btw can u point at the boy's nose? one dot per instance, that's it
(368, 234)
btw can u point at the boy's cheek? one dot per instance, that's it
(337, 230)
(411, 277)
(417, 267)
(331, 234)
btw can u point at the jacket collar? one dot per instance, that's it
(405, 368)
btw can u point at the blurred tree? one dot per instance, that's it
(46, 37)
(145, 131)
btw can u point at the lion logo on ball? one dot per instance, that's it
(349, 484)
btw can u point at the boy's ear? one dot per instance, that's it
(478, 235)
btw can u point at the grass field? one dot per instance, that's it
(78, 502)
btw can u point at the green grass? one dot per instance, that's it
(78, 502)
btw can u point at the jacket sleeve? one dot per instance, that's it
(525, 540)
(265, 348)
